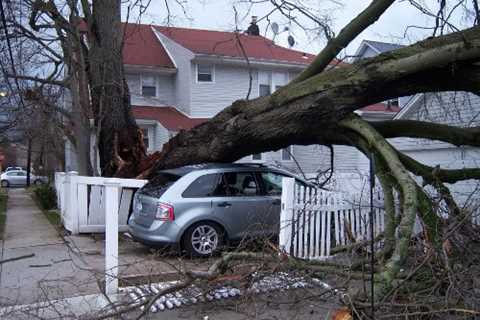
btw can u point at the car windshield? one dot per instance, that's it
(158, 185)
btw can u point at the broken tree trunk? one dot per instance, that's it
(120, 141)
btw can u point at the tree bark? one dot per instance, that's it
(121, 144)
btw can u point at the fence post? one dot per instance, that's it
(112, 190)
(286, 215)
(72, 202)
(59, 188)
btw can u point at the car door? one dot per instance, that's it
(271, 184)
(21, 178)
(237, 201)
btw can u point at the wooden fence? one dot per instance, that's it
(313, 221)
(82, 201)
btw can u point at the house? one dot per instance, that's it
(453, 108)
(181, 77)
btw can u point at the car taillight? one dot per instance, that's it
(164, 212)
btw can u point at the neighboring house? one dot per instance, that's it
(460, 109)
(181, 77)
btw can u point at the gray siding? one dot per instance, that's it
(230, 84)
(182, 79)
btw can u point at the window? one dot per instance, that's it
(257, 156)
(287, 153)
(264, 90)
(146, 140)
(158, 185)
(202, 186)
(204, 73)
(272, 183)
(237, 184)
(277, 87)
(149, 86)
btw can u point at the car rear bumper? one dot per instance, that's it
(159, 233)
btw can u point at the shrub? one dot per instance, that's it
(46, 196)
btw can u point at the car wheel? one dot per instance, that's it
(5, 184)
(38, 182)
(203, 239)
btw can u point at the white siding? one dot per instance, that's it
(453, 108)
(161, 136)
(182, 79)
(345, 158)
(311, 159)
(230, 84)
(369, 52)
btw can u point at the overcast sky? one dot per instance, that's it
(219, 15)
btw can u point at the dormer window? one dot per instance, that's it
(149, 86)
(204, 73)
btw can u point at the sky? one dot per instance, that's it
(393, 26)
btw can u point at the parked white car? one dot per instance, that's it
(19, 178)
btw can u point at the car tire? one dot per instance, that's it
(5, 184)
(38, 182)
(203, 239)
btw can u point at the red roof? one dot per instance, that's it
(169, 117)
(142, 48)
(380, 107)
(228, 44)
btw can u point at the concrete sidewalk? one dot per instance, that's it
(52, 273)
(68, 266)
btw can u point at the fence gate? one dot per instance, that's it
(313, 221)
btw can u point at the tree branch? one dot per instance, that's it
(431, 174)
(428, 130)
(346, 35)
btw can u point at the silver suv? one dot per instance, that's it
(203, 207)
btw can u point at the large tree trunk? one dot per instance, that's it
(120, 141)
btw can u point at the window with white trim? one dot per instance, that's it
(287, 153)
(204, 73)
(149, 86)
(270, 81)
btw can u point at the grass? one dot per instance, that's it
(53, 217)
(3, 211)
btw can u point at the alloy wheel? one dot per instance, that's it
(204, 239)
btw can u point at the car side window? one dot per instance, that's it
(203, 186)
(237, 184)
(21, 173)
(272, 182)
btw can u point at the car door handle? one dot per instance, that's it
(224, 204)
(276, 202)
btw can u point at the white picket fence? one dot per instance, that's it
(82, 201)
(313, 221)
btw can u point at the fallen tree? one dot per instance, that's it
(318, 109)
